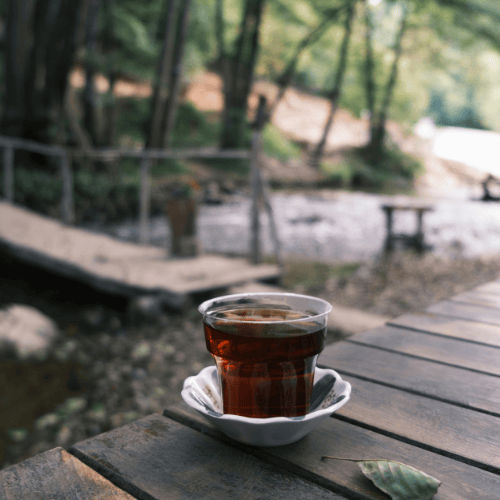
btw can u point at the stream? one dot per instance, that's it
(333, 226)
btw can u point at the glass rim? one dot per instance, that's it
(203, 307)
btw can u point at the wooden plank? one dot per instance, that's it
(56, 475)
(114, 154)
(469, 331)
(457, 432)
(478, 298)
(157, 458)
(466, 311)
(342, 439)
(115, 266)
(454, 352)
(446, 383)
(492, 287)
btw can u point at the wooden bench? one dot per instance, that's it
(486, 184)
(415, 240)
(425, 392)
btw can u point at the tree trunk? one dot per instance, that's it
(175, 81)
(369, 68)
(108, 41)
(285, 79)
(337, 88)
(161, 88)
(222, 57)
(90, 121)
(39, 52)
(241, 72)
(16, 54)
(378, 130)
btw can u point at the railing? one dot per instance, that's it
(67, 155)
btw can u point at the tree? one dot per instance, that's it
(41, 41)
(239, 77)
(175, 81)
(161, 86)
(286, 77)
(334, 95)
(378, 117)
(90, 120)
(110, 48)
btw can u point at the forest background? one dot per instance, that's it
(375, 58)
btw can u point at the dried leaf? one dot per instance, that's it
(399, 481)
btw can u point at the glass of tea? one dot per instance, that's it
(265, 346)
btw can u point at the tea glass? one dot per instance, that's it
(265, 347)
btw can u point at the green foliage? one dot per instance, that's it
(275, 144)
(34, 187)
(192, 128)
(361, 168)
(100, 193)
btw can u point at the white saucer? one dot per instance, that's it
(330, 392)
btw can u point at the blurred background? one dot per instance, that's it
(367, 102)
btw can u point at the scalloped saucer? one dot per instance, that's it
(330, 392)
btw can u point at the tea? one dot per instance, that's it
(265, 360)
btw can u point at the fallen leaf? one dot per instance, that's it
(399, 481)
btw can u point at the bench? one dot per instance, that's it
(415, 240)
(487, 195)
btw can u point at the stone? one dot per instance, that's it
(145, 308)
(30, 332)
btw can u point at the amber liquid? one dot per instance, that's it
(265, 369)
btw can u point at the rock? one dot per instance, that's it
(141, 351)
(28, 330)
(49, 420)
(63, 437)
(145, 308)
(94, 317)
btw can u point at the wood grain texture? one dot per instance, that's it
(432, 347)
(114, 266)
(493, 287)
(478, 298)
(56, 475)
(157, 458)
(470, 312)
(447, 383)
(457, 432)
(470, 331)
(342, 439)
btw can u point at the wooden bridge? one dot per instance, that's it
(117, 267)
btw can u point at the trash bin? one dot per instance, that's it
(181, 214)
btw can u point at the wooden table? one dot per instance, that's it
(426, 392)
(415, 240)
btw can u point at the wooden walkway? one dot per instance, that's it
(118, 267)
(425, 392)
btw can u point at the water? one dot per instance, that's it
(340, 227)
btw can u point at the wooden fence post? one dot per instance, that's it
(260, 191)
(8, 174)
(255, 184)
(67, 204)
(144, 201)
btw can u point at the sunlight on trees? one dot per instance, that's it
(447, 63)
